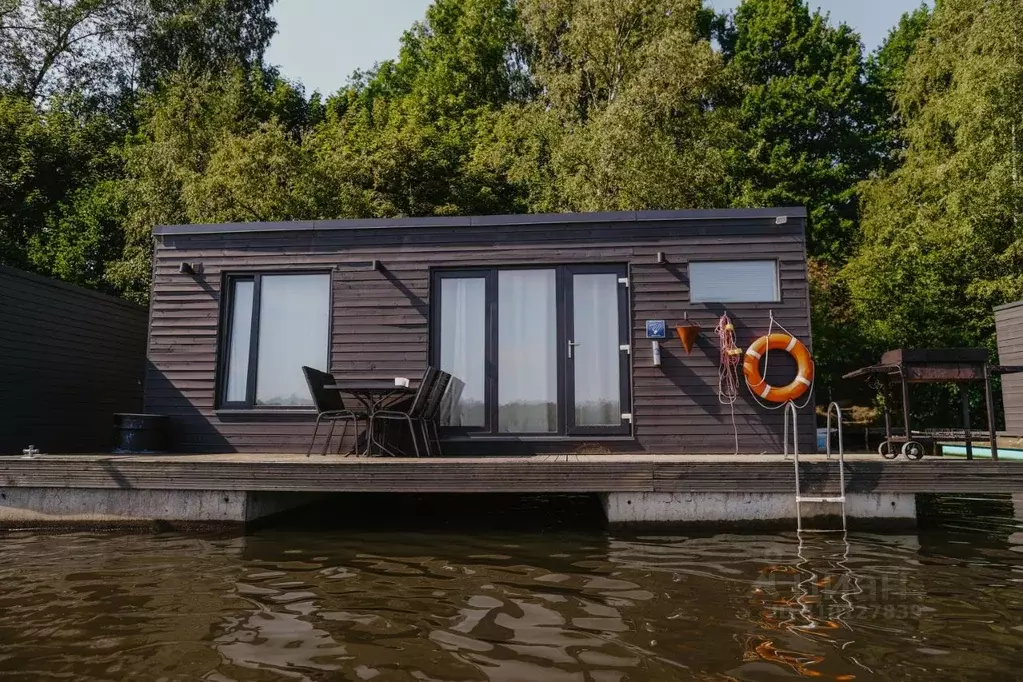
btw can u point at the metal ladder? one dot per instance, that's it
(790, 408)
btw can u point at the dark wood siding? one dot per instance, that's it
(1009, 326)
(69, 359)
(380, 318)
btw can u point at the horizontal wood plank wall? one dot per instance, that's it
(69, 359)
(1009, 327)
(380, 320)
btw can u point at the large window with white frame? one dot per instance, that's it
(273, 324)
(539, 351)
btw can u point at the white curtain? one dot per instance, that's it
(527, 351)
(596, 358)
(463, 345)
(742, 281)
(294, 318)
(238, 348)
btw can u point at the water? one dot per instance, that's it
(489, 601)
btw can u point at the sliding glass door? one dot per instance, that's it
(597, 365)
(540, 351)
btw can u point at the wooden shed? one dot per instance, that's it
(1009, 327)
(544, 317)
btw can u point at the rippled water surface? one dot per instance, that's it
(571, 604)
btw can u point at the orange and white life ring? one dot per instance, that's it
(804, 363)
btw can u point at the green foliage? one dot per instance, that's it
(942, 241)
(885, 71)
(187, 162)
(83, 237)
(627, 114)
(76, 77)
(45, 156)
(807, 135)
(104, 50)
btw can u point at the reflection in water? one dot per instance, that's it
(514, 607)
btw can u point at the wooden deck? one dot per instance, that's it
(540, 474)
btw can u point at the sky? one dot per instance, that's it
(321, 42)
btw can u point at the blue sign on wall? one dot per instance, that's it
(655, 329)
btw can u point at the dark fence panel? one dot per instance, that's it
(69, 359)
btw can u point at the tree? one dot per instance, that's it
(105, 50)
(398, 141)
(942, 240)
(194, 136)
(45, 157)
(804, 115)
(886, 68)
(627, 115)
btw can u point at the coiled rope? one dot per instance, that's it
(728, 369)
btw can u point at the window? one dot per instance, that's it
(740, 281)
(541, 351)
(463, 351)
(276, 323)
(527, 362)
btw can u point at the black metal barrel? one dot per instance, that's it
(140, 433)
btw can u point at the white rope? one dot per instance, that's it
(728, 370)
(767, 354)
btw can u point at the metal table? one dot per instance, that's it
(374, 395)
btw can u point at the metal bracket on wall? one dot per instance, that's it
(624, 280)
(627, 347)
(359, 265)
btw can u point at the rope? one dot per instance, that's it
(728, 369)
(767, 356)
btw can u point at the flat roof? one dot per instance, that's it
(486, 221)
(1008, 306)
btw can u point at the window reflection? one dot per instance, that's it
(463, 346)
(238, 344)
(597, 368)
(294, 319)
(527, 388)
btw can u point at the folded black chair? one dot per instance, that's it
(329, 406)
(410, 413)
(446, 408)
(431, 413)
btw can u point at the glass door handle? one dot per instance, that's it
(571, 345)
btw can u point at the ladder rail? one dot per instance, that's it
(790, 408)
(792, 434)
(841, 445)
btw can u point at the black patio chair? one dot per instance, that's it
(330, 407)
(431, 413)
(446, 408)
(411, 412)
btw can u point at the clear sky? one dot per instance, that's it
(321, 42)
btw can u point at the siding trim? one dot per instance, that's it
(796, 212)
(1008, 306)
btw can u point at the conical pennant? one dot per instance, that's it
(688, 335)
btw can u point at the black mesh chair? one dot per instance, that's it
(330, 408)
(412, 412)
(431, 413)
(448, 402)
